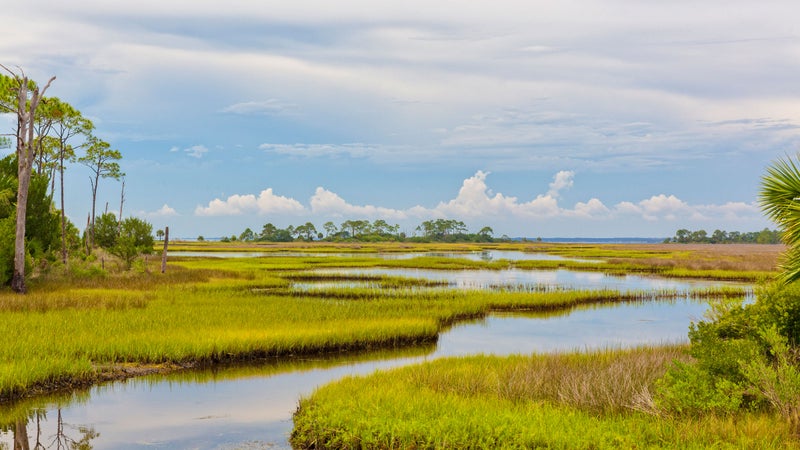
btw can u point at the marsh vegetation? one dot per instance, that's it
(208, 311)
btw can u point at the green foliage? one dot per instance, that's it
(779, 198)
(779, 307)
(106, 229)
(765, 236)
(687, 389)
(537, 401)
(775, 376)
(141, 233)
(43, 224)
(135, 238)
(745, 358)
(7, 233)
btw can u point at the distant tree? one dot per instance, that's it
(486, 232)
(380, 227)
(268, 232)
(102, 161)
(106, 230)
(160, 235)
(330, 229)
(247, 235)
(69, 123)
(719, 236)
(699, 236)
(306, 231)
(201, 238)
(136, 237)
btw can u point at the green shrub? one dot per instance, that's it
(7, 234)
(687, 389)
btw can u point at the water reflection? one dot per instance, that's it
(539, 280)
(483, 255)
(250, 406)
(28, 433)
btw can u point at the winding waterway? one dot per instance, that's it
(251, 406)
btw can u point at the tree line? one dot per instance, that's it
(439, 230)
(50, 134)
(765, 236)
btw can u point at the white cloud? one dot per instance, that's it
(266, 203)
(265, 107)
(320, 150)
(196, 151)
(664, 207)
(164, 211)
(476, 201)
(561, 181)
(327, 203)
(594, 208)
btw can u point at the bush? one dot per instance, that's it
(745, 357)
(690, 390)
(135, 238)
(7, 235)
(106, 229)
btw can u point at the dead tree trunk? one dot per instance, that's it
(63, 215)
(164, 253)
(121, 202)
(26, 154)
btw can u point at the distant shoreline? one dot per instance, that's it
(581, 240)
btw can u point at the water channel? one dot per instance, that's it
(251, 406)
(484, 255)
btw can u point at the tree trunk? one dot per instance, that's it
(26, 115)
(21, 440)
(18, 279)
(164, 253)
(121, 202)
(63, 215)
(94, 203)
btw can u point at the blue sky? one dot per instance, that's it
(592, 118)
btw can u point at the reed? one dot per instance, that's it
(556, 401)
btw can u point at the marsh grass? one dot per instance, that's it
(537, 401)
(74, 324)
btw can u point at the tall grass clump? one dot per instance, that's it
(539, 401)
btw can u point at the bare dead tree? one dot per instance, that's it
(121, 202)
(28, 96)
(164, 253)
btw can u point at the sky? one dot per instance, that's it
(591, 118)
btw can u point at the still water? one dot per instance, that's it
(484, 255)
(516, 279)
(251, 406)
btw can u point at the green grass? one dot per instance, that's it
(81, 326)
(217, 310)
(565, 401)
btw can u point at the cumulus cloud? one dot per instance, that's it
(327, 203)
(561, 181)
(475, 200)
(266, 203)
(164, 211)
(663, 206)
(593, 208)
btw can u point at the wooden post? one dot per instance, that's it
(164, 254)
